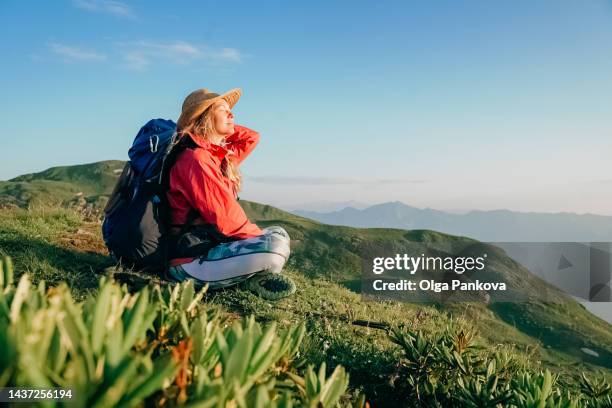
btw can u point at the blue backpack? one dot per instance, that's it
(136, 215)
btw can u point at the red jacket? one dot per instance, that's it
(196, 182)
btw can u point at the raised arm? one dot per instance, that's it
(242, 142)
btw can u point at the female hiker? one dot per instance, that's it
(214, 241)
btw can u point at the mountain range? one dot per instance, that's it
(488, 226)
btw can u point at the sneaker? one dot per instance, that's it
(271, 286)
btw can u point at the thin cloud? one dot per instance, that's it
(228, 54)
(138, 55)
(70, 53)
(284, 180)
(115, 8)
(135, 61)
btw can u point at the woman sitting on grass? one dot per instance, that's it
(214, 241)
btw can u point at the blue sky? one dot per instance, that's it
(442, 104)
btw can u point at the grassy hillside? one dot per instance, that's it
(58, 245)
(65, 185)
(561, 325)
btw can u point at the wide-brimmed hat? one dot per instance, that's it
(198, 101)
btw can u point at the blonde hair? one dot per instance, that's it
(203, 128)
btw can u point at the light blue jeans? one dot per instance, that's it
(232, 262)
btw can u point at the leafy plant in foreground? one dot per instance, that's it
(451, 369)
(160, 344)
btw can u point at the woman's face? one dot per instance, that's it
(222, 119)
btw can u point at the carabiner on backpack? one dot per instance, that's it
(152, 145)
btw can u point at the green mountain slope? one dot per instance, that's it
(335, 253)
(59, 245)
(81, 184)
(327, 262)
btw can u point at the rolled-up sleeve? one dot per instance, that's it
(211, 196)
(242, 142)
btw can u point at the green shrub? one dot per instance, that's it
(158, 344)
(451, 369)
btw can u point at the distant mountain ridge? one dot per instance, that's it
(324, 205)
(490, 226)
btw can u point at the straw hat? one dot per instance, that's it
(196, 103)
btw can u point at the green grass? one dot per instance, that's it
(59, 245)
(54, 245)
